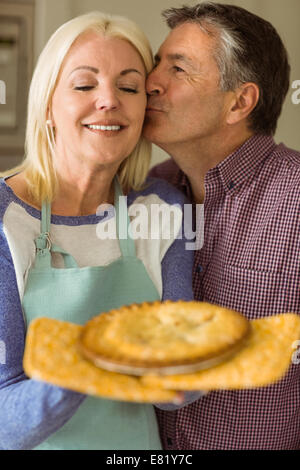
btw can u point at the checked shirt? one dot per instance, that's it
(250, 262)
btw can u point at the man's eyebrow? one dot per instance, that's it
(183, 58)
(176, 56)
(95, 70)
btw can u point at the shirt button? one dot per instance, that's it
(231, 185)
(199, 269)
(169, 441)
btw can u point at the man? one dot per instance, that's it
(215, 96)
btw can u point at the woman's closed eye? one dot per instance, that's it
(128, 89)
(84, 87)
(90, 87)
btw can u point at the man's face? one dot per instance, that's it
(185, 105)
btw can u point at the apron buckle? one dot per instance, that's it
(48, 241)
(43, 242)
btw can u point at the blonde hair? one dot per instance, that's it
(38, 165)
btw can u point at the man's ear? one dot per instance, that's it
(244, 100)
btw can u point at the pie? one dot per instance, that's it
(263, 352)
(163, 337)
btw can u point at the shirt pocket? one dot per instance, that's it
(254, 293)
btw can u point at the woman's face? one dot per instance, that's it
(99, 102)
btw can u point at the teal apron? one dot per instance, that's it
(75, 295)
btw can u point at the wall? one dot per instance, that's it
(285, 16)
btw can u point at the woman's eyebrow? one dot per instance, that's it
(95, 70)
(126, 71)
(86, 67)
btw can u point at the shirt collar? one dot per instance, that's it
(236, 168)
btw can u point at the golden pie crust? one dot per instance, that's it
(51, 355)
(163, 337)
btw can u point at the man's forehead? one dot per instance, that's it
(187, 42)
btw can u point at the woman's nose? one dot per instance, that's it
(107, 99)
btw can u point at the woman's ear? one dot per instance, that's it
(245, 98)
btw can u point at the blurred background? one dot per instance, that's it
(26, 25)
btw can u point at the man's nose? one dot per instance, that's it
(153, 84)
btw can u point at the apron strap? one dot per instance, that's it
(127, 245)
(46, 218)
(44, 245)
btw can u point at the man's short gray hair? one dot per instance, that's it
(247, 49)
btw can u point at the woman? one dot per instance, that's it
(83, 149)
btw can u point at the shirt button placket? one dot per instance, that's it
(199, 269)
